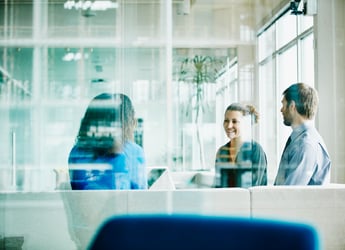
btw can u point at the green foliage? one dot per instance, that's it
(199, 70)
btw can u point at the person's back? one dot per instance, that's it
(105, 155)
(321, 175)
(135, 159)
(306, 160)
(88, 171)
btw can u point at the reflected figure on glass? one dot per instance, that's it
(241, 162)
(105, 155)
(305, 159)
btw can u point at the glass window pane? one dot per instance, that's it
(286, 75)
(196, 72)
(305, 22)
(268, 116)
(286, 29)
(17, 116)
(16, 19)
(215, 19)
(266, 43)
(307, 59)
(17, 72)
(287, 68)
(82, 19)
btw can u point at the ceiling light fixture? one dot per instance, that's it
(71, 56)
(89, 5)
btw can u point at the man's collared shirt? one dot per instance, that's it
(305, 161)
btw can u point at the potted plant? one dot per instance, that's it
(199, 70)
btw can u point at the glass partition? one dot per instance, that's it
(57, 55)
(181, 63)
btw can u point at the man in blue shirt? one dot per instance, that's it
(305, 160)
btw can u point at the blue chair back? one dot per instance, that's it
(179, 232)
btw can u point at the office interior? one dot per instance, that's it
(56, 55)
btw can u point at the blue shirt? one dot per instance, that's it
(135, 160)
(125, 170)
(305, 161)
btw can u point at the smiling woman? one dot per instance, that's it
(241, 162)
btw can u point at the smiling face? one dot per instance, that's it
(232, 123)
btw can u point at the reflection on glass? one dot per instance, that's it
(104, 155)
(241, 162)
(197, 72)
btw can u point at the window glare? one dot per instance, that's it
(286, 29)
(307, 51)
(266, 43)
(305, 22)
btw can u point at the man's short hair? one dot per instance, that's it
(305, 97)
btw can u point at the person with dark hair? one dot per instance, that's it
(242, 161)
(104, 155)
(305, 160)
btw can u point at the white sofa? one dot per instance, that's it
(321, 206)
(68, 219)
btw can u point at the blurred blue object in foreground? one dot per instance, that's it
(203, 232)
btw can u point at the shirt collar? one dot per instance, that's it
(300, 129)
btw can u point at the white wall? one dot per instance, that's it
(330, 80)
